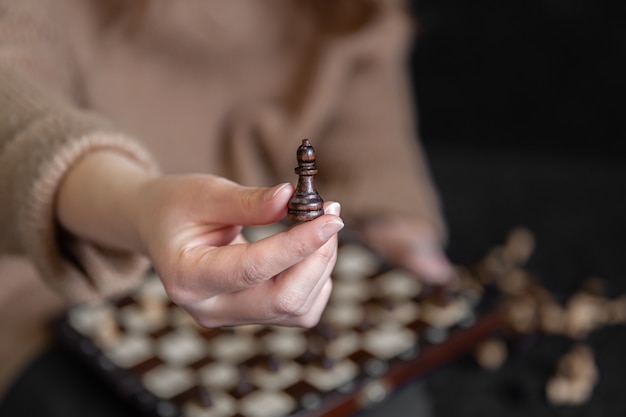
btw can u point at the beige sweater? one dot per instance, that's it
(225, 87)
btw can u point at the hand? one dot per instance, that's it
(411, 243)
(191, 228)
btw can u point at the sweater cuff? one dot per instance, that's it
(78, 269)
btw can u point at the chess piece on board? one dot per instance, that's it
(575, 378)
(306, 204)
(491, 353)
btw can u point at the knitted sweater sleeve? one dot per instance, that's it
(43, 133)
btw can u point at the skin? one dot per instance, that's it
(190, 228)
(412, 243)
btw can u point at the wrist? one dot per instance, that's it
(99, 200)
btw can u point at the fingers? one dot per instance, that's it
(250, 306)
(268, 257)
(205, 271)
(299, 290)
(427, 259)
(296, 295)
(295, 298)
(412, 244)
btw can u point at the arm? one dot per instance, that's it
(43, 133)
(81, 200)
(42, 137)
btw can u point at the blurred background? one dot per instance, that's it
(539, 74)
(521, 108)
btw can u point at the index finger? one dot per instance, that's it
(235, 267)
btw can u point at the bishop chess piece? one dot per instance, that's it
(306, 204)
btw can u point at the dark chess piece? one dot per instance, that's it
(272, 363)
(204, 398)
(244, 386)
(306, 204)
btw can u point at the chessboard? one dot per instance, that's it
(382, 328)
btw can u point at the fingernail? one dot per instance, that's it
(333, 208)
(273, 192)
(329, 229)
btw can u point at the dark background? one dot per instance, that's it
(530, 74)
(521, 106)
(521, 110)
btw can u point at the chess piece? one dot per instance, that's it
(616, 310)
(367, 322)
(520, 313)
(443, 306)
(519, 246)
(272, 363)
(306, 203)
(327, 362)
(575, 378)
(491, 353)
(203, 397)
(584, 313)
(244, 386)
(552, 317)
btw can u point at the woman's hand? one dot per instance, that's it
(411, 243)
(190, 226)
(193, 236)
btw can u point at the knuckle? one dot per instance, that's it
(312, 316)
(178, 292)
(248, 199)
(308, 321)
(252, 273)
(210, 323)
(290, 303)
(328, 255)
(207, 315)
(177, 287)
(298, 246)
